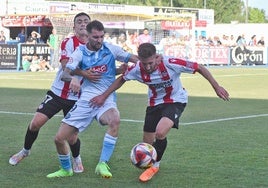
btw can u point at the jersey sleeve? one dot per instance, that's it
(75, 59)
(66, 49)
(119, 53)
(131, 72)
(181, 65)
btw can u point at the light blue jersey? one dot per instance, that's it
(102, 61)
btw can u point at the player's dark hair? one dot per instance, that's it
(146, 50)
(95, 24)
(81, 14)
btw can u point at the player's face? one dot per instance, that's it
(95, 40)
(80, 25)
(150, 64)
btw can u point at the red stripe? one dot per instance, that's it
(152, 99)
(65, 89)
(76, 42)
(163, 71)
(182, 62)
(165, 76)
(145, 77)
(167, 98)
(63, 51)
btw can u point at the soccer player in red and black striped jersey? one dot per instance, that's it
(59, 97)
(166, 96)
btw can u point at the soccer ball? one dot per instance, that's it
(143, 155)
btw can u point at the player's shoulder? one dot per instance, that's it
(66, 40)
(111, 46)
(70, 39)
(167, 59)
(182, 62)
(134, 67)
(82, 48)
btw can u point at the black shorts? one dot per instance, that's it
(52, 104)
(172, 111)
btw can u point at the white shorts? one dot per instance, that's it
(82, 115)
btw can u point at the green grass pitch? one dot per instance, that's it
(219, 144)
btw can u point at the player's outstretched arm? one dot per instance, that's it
(99, 100)
(220, 91)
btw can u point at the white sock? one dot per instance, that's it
(25, 151)
(156, 164)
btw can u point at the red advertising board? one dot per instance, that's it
(181, 24)
(23, 21)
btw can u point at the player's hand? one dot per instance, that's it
(92, 75)
(66, 75)
(222, 93)
(75, 85)
(97, 101)
(121, 69)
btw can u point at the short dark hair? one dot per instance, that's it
(82, 14)
(95, 24)
(146, 50)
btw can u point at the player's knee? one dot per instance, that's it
(160, 135)
(115, 121)
(35, 125)
(114, 126)
(58, 140)
(73, 139)
(111, 118)
(37, 122)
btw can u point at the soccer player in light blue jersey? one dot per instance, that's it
(99, 57)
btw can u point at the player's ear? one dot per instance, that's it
(158, 58)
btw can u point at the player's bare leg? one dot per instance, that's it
(159, 141)
(112, 119)
(65, 131)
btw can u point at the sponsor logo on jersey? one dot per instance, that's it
(165, 84)
(100, 69)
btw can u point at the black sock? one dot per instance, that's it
(75, 148)
(29, 139)
(160, 147)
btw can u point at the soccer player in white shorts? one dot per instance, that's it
(99, 57)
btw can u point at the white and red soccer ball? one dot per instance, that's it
(143, 155)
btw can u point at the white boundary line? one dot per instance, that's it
(140, 121)
(226, 119)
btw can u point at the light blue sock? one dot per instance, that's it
(65, 162)
(107, 147)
